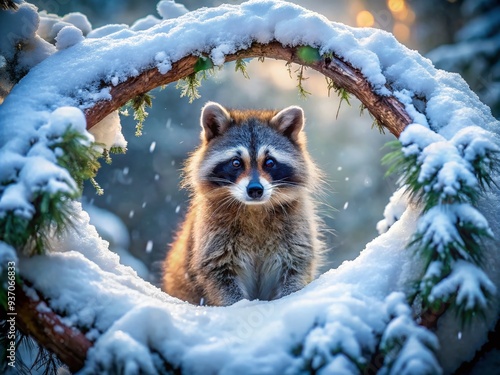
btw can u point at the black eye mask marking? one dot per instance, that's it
(280, 172)
(226, 172)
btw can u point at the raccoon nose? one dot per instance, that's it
(255, 190)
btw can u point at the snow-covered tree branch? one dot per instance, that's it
(386, 109)
(439, 256)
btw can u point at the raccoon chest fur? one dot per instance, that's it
(261, 258)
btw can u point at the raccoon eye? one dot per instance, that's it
(269, 163)
(236, 163)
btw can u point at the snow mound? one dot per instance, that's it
(335, 322)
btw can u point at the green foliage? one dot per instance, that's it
(77, 158)
(106, 155)
(308, 55)
(189, 86)
(303, 93)
(486, 167)
(51, 210)
(342, 93)
(377, 124)
(139, 104)
(97, 187)
(44, 363)
(203, 63)
(118, 150)
(406, 168)
(107, 158)
(464, 236)
(241, 66)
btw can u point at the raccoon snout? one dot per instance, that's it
(255, 190)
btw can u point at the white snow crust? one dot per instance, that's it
(339, 316)
(108, 132)
(345, 309)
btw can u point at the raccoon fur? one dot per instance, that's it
(251, 230)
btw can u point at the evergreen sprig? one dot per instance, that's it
(450, 230)
(313, 358)
(139, 104)
(402, 337)
(342, 93)
(189, 86)
(51, 208)
(303, 93)
(241, 66)
(300, 77)
(78, 157)
(44, 362)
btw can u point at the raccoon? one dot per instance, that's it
(251, 231)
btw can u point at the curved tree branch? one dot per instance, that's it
(387, 110)
(37, 320)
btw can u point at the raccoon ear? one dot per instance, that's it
(289, 122)
(214, 120)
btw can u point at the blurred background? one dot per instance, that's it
(142, 205)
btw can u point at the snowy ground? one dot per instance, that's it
(345, 310)
(333, 325)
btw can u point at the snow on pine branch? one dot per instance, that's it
(40, 172)
(449, 238)
(469, 282)
(447, 177)
(408, 347)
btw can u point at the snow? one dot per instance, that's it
(7, 254)
(30, 161)
(112, 229)
(106, 30)
(470, 281)
(416, 137)
(170, 9)
(397, 205)
(338, 317)
(51, 24)
(68, 36)
(78, 20)
(108, 131)
(409, 347)
(145, 23)
(19, 28)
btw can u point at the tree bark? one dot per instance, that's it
(36, 319)
(387, 110)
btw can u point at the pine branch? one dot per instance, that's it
(189, 87)
(139, 104)
(241, 66)
(303, 93)
(51, 210)
(450, 233)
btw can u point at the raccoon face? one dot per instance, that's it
(255, 156)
